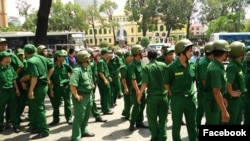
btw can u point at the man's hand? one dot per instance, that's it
(78, 97)
(31, 95)
(225, 116)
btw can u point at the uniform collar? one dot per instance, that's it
(237, 63)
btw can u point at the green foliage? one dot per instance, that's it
(104, 44)
(144, 42)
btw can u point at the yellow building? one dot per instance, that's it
(132, 32)
(3, 14)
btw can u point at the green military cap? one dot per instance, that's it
(61, 53)
(3, 40)
(247, 57)
(29, 48)
(127, 53)
(168, 50)
(221, 45)
(4, 54)
(137, 49)
(20, 51)
(105, 50)
(237, 49)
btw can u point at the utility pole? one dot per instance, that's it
(239, 23)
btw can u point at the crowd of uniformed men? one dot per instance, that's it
(165, 83)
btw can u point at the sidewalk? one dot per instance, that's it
(116, 129)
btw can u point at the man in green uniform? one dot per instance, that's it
(157, 98)
(163, 48)
(201, 69)
(81, 86)
(247, 94)
(8, 91)
(104, 80)
(39, 72)
(114, 65)
(180, 77)
(93, 70)
(126, 84)
(214, 104)
(59, 88)
(18, 66)
(135, 77)
(235, 83)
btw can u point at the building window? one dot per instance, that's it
(90, 41)
(192, 28)
(161, 28)
(100, 31)
(100, 40)
(197, 33)
(90, 32)
(109, 31)
(86, 32)
(156, 27)
(132, 30)
(139, 39)
(105, 31)
(110, 40)
(95, 31)
(132, 39)
(197, 28)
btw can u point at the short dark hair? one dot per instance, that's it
(71, 50)
(218, 53)
(152, 54)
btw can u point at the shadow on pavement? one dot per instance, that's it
(119, 134)
(113, 123)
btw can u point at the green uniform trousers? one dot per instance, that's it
(127, 105)
(60, 92)
(200, 110)
(37, 109)
(105, 96)
(21, 100)
(81, 116)
(247, 110)
(94, 109)
(115, 89)
(235, 110)
(157, 106)
(8, 97)
(184, 105)
(212, 112)
(137, 109)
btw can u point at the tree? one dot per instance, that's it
(145, 42)
(23, 9)
(108, 8)
(67, 17)
(142, 12)
(104, 44)
(42, 22)
(93, 16)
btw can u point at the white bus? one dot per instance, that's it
(232, 36)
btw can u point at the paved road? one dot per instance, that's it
(116, 129)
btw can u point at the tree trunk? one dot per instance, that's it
(113, 29)
(188, 26)
(168, 29)
(42, 22)
(93, 27)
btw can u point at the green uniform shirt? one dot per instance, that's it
(135, 71)
(102, 67)
(124, 74)
(216, 78)
(247, 80)
(7, 77)
(113, 65)
(60, 74)
(161, 58)
(180, 78)
(235, 75)
(93, 68)
(81, 78)
(15, 62)
(38, 66)
(152, 74)
(201, 70)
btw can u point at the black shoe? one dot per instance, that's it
(100, 120)
(34, 131)
(7, 125)
(88, 134)
(16, 130)
(53, 123)
(39, 136)
(183, 123)
(141, 125)
(131, 128)
(69, 121)
(108, 113)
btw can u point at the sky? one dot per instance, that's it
(12, 10)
